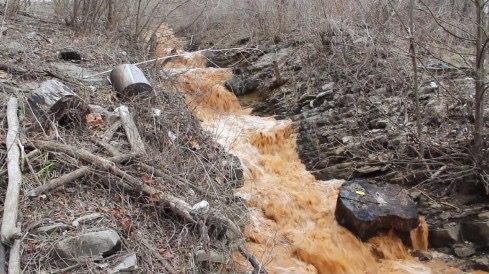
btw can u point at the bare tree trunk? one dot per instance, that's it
(412, 49)
(479, 75)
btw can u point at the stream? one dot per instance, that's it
(292, 227)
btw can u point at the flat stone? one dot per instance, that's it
(100, 243)
(444, 236)
(77, 72)
(50, 229)
(86, 219)
(211, 256)
(128, 265)
(366, 209)
(476, 232)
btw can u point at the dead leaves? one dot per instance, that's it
(122, 216)
(95, 120)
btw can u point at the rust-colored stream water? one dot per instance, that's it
(292, 228)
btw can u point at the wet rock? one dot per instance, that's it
(366, 209)
(50, 229)
(104, 243)
(241, 85)
(128, 265)
(422, 255)
(447, 235)
(90, 218)
(481, 263)
(476, 232)
(464, 250)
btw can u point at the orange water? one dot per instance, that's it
(292, 227)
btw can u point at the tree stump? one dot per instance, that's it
(54, 101)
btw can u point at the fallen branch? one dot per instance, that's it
(9, 221)
(132, 132)
(70, 177)
(55, 183)
(14, 256)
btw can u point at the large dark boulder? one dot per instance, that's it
(241, 85)
(366, 209)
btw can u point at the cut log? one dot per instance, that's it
(128, 81)
(366, 209)
(54, 101)
(132, 132)
(9, 221)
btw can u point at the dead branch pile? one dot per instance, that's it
(145, 165)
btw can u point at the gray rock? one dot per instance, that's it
(267, 59)
(86, 219)
(16, 47)
(241, 85)
(481, 263)
(100, 243)
(128, 265)
(444, 236)
(328, 86)
(483, 215)
(476, 232)
(463, 250)
(366, 209)
(50, 229)
(211, 256)
(75, 71)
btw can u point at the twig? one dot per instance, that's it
(66, 269)
(29, 165)
(162, 259)
(252, 259)
(9, 221)
(171, 56)
(111, 131)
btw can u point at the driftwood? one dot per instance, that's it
(14, 256)
(253, 261)
(54, 101)
(69, 177)
(132, 132)
(9, 221)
